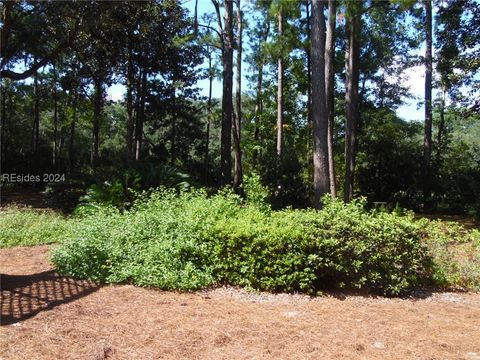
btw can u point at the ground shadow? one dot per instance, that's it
(24, 296)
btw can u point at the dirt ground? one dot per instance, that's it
(45, 316)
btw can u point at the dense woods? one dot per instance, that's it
(309, 98)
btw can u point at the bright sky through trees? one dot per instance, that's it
(415, 75)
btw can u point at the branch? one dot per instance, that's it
(5, 73)
(219, 16)
(211, 29)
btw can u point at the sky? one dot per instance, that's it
(414, 79)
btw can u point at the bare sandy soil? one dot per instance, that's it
(45, 316)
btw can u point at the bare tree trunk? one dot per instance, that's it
(280, 90)
(309, 66)
(209, 116)
(195, 19)
(238, 174)
(258, 111)
(140, 117)
(97, 114)
(319, 104)
(330, 91)
(427, 140)
(351, 96)
(259, 101)
(36, 115)
(72, 130)
(441, 128)
(55, 119)
(227, 97)
(130, 118)
(173, 149)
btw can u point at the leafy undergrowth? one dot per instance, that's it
(23, 226)
(455, 252)
(191, 241)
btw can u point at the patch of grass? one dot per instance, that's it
(22, 226)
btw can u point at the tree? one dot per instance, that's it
(21, 40)
(237, 128)
(319, 104)
(226, 34)
(259, 35)
(353, 28)
(330, 90)
(427, 140)
(280, 85)
(211, 44)
(457, 64)
(36, 116)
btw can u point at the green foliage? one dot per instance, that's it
(107, 193)
(189, 240)
(256, 193)
(120, 191)
(158, 242)
(26, 227)
(306, 250)
(455, 253)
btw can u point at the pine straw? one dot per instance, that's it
(126, 322)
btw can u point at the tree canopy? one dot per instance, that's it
(126, 90)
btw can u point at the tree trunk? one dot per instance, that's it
(36, 116)
(3, 121)
(140, 118)
(330, 91)
(351, 95)
(209, 116)
(130, 118)
(319, 103)
(6, 138)
(237, 174)
(227, 99)
(195, 19)
(280, 90)
(259, 101)
(97, 114)
(55, 119)
(258, 111)
(173, 149)
(309, 66)
(441, 129)
(72, 130)
(427, 140)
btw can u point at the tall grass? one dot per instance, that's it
(26, 227)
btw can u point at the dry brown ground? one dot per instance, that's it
(45, 316)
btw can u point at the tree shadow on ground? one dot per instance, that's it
(24, 296)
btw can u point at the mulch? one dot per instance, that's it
(47, 316)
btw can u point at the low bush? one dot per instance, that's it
(339, 246)
(26, 227)
(455, 253)
(158, 242)
(191, 241)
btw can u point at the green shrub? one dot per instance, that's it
(26, 227)
(158, 242)
(341, 246)
(190, 241)
(455, 253)
(256, 193)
